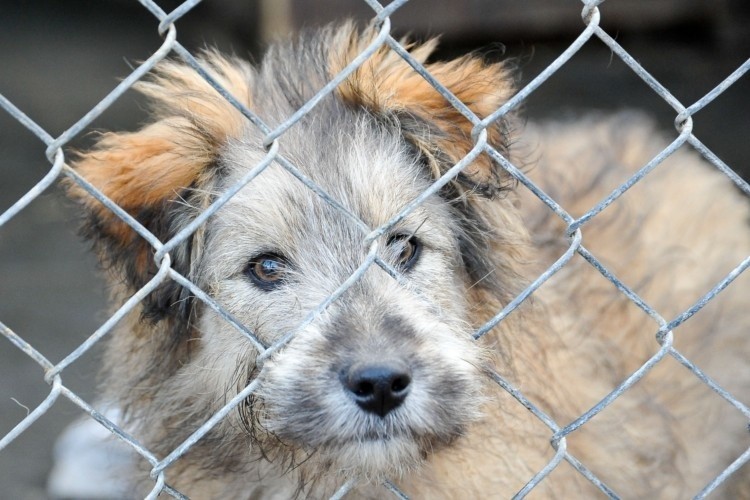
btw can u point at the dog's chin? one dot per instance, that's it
(369, 454)
(374, 459)
(331, 435)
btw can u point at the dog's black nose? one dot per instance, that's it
(378, 388)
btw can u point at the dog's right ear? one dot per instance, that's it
(161, 174)
(387, 86)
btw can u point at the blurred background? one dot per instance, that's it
(60, 58)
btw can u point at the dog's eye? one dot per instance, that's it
(405, 250)
(267, 270)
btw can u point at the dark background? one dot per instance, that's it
(59, 58)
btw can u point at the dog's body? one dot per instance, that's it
(387, 382)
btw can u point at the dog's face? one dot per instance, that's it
(386, 373)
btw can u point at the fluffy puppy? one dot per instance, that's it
(387, 382)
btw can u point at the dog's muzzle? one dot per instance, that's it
(377, 387)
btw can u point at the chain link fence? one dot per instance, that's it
(166, 23)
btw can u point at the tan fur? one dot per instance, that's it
(147, 168)
(386, 83)
(136, 172)
(670, 238)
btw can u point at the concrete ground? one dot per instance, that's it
(58, 59)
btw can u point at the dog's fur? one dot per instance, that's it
(374, 145)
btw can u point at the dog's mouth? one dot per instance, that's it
(377, 421)
(377, 456)
(365, 445)
(372, 446)
(430, 439)
(377, 436)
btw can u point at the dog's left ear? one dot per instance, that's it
(387, 86)
(162, 174)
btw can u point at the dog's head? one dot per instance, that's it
(389, 370)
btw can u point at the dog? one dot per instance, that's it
(386, 384)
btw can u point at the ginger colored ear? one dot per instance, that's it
(385, 84)
(160, 173)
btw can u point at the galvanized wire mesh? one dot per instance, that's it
(166, 26)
